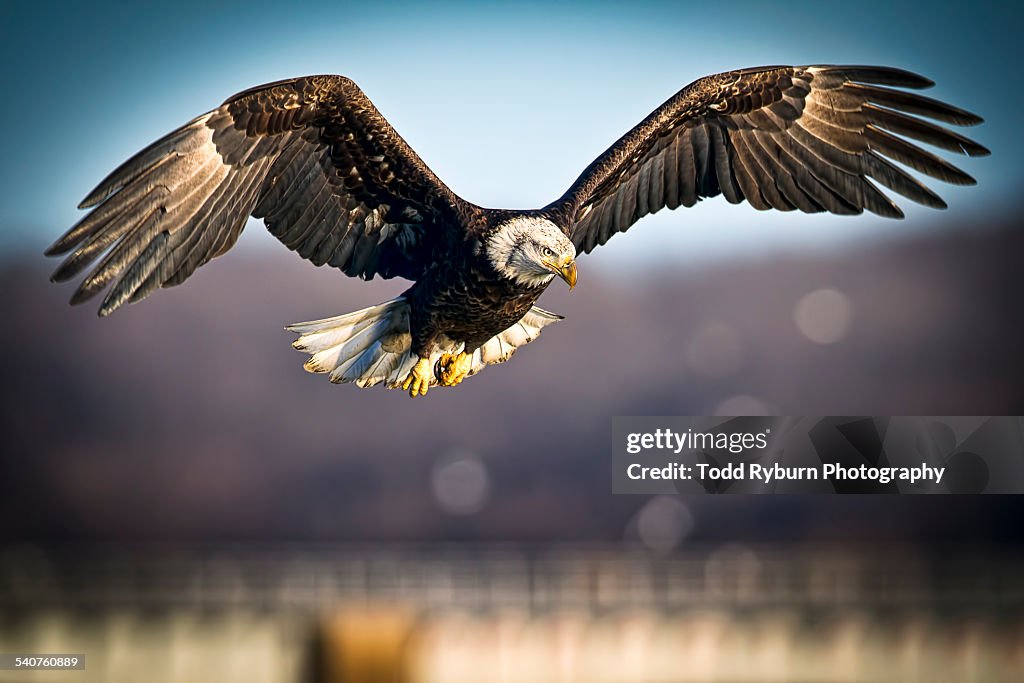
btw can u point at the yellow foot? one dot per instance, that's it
(419, 378)
(451, 370)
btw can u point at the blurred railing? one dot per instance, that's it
(572, 613)
(579, 577)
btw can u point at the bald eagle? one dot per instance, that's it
(333, 181)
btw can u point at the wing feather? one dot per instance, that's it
(813, 138)
(900, 181)
(707, 184)
(148, 261)
(181, 142)
(311, 156)
(775, 144)
(656, 185)
(673, 177)
(916, 158)
(720, 153)
(124, 251)
(924, 131)
(221, 221)
(333, 233)
(847, 192)
(746, 169)
(307, 210)
(914, 104)
(687, 170)
(643, 189)
(758, 179)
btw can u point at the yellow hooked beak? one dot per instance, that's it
(568, 273)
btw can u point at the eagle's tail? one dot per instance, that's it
(373, 346)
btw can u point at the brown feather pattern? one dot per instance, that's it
(809, 138)
(311, 156)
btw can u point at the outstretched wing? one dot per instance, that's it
(311, 156)
(813, 138)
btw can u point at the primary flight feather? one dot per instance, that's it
(333, 181)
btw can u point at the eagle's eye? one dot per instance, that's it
(548, 252)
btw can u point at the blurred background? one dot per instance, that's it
(180, 501)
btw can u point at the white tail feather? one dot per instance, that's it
(373, 345)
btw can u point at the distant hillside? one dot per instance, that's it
(189, 415)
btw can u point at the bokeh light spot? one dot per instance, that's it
(824, 316)
(460, 483)
(663, 523)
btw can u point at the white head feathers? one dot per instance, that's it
(525, 248)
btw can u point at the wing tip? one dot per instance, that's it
(106, 187)
(78, 298)
(892, 211)
(962, 117)
(970, 148)
(64, 243)
(55, 249)
(978, 150)
(107, 308)
(881, 75)
(61, 275)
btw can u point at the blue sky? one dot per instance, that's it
(506, 103)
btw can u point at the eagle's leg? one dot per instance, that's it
(419, 378)
(451, 369)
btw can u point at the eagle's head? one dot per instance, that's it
(531, 250)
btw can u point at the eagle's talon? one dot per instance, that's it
(418, 380)
(451, 370)
(443, 361)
